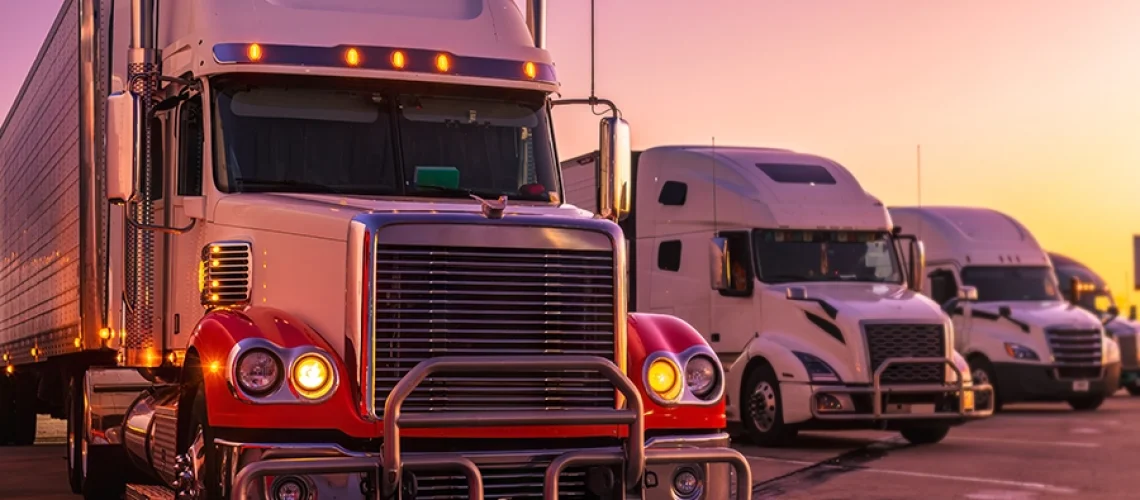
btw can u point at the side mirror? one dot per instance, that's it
(719, 266)
(968, 294)
(615, 177)
(120, 148)
(917, 260)
(1113, 313)
(1075, 287)
(1132, 313)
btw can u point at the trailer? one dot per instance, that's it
(804, 295)
(309, 249)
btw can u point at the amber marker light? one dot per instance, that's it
(443, 63)
(530, 70)
(399, 60)
(352, 57)
(254, 52)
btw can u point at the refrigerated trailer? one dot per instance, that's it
(804, 298)
(302, 249)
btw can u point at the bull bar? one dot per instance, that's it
(877, 391)
(391, 463)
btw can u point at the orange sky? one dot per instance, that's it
(1026, 106)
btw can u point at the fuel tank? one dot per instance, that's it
(150, 432)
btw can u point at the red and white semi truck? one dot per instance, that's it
(311, 249)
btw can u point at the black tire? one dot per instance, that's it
(1133, 390)
(107, 470)
(981, 371)
(207, 455)
(76, 434)
(1086, 403)
(925, 434)
(761, 412)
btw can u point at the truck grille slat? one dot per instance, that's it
(515, 481)
(1076, 347)
(886, 340)
(441, 301)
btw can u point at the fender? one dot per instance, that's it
(218, 332)
(649, 333)
(778, 355)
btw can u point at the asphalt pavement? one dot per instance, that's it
(1026, 452)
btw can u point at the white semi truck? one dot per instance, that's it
(1013, 325)
(807, 302)
(299, 249)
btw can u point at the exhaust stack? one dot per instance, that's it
(142, 345)
(536, 21)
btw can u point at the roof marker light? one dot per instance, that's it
(254, 52)
(352, 57)
(530, 70)
(399, 60)
(443, 63)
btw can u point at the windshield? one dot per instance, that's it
(791, 256)
(1011, 284)
(380, 139)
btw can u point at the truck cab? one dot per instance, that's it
(793, 272)
(1082, 286)
(1013, 324)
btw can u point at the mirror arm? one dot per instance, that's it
(592, 101)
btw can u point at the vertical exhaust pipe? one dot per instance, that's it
(142, 347)
(536, 21)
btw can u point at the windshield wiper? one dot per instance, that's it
(288, 183)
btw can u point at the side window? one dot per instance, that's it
(669, 255)
(673, 193)
(942, 286)
(740, 264)
(190, 135)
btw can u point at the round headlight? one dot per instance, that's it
(686, 483)
(700, 376)
(291, 489)
(663, 378)
(312, 376)
(258, 372)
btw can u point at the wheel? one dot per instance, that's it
(761, 413)
(203, 460)
(1086, 403)
(76, 434)
(925, 435)
(1133, 390)
(982, 372)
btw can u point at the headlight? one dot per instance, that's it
(258, 372)
(700, 376)
(312, 376)
(664, 379)
(817, 369)
(1018, 351)
(1111, 351)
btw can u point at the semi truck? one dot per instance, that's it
(1016, 330)
(1082, 286)
(299, 249)
(803, 294)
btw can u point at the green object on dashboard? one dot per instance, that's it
(445, 177)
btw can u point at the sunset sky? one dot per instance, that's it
(1027, 106)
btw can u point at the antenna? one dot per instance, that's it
(592, 21)
(716, 220)
(918, 159)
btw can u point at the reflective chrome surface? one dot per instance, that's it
(284, 392)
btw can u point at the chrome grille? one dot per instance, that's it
(1127, 350)
(437, 301)
(512, 480)
(885, 341)
(1075, 347)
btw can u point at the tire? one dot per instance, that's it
(925, 435)
(203, 455)
(761, 412)
(76, 435)
(981, 371)
(1086, 403)
(1133, 390)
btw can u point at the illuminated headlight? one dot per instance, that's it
(663, 378)
(817, 369)
(258, 372)
(1110, 350)
(1018, 351)
(700, 376)
(312, 376)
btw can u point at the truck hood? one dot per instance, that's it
(328, 216)
(871, 301)
(1042, 315)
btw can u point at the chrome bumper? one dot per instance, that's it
(877, 391)
(384, 471)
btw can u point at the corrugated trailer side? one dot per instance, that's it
(52, 208)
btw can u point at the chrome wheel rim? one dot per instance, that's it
(762, 406)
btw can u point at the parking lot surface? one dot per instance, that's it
(1026, 452)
